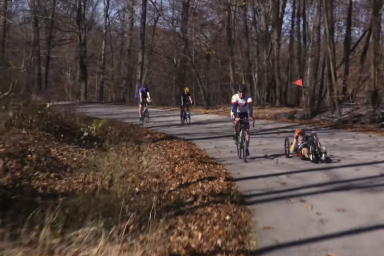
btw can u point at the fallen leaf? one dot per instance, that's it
(340, 209)
(268, 227)
(309, 206)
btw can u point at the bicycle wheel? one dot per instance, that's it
(244, 147)
(286, 147)
(182, 119)
(147, 116)
(239, 145)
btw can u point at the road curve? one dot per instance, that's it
(301, 208)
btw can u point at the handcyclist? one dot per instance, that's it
(144, 99)
(185, 101)
(241, 108)
(301, 145)
(300, 142)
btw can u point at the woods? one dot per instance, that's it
(104, 49)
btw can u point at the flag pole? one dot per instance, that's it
(303, 96)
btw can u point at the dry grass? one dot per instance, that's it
(71, 185)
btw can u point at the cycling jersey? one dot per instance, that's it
(240, 106)
(144, 93)
(185, 96)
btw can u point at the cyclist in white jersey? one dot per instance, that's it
(241, 108)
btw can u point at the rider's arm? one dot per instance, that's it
(234, 106)
(250, 107)
(190, 99)
(148, 95)
(293, 146)
(181, 99)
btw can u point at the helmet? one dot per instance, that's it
(186, 89)
(241, 88)
(298, 131)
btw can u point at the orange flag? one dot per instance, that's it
(299, 82)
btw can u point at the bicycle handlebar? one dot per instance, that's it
(253, 123)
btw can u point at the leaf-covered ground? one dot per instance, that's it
(71, 185)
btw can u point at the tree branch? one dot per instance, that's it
(8, 92)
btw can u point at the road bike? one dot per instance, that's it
(186, 117)
(241, 143)
(145, 114)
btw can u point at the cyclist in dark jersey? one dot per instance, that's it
(185, 101)
(144, 98)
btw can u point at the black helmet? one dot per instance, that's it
(241, 88)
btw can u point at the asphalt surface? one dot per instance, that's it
(301, 208)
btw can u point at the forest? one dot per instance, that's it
(103, 50)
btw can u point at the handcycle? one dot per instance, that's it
(241, 144)
(315, 149)
(186, 116)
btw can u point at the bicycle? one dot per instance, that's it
(145, 115)
(186, 117)
(241, 144)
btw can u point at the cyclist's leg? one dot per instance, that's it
(305, 151)
(236, 126)
(181, 111)
(187, 106)
(140, 108)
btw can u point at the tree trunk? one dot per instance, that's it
(376, 53)
(152, 41)
(140, 64)
(329, 31)
(256, 89)
(347, 46)
(299, 52)
(3, 43)
(231, 42)
(291, 49)
(49, 36)
(103, 47)
(36, 45)
(248, 69)
(363, 57)
(278, 7)
(82, 71)
(131, 20)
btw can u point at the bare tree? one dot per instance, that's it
(49, 29)
(4, 31)
(82, 72)
(103, 48)
(140, 64)
(376, 52)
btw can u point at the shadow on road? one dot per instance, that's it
(318, 185)
(328, 168)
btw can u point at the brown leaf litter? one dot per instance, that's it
(114, 183)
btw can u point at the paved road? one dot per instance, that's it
(301, 208)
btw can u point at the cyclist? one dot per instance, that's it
(185, 101)
(144, 98)
(300, 141)
(241, 108)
